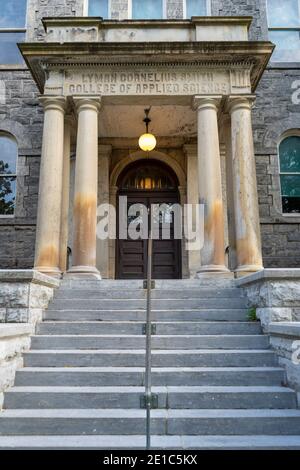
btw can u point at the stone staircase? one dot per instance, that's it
(218, 384)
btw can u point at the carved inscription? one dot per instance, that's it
(149, 82)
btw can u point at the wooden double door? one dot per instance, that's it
(131, 259)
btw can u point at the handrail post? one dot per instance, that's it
(148, 394)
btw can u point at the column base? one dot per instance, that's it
(246, 269)
(49, 271)
(213, 270)
(82, 272)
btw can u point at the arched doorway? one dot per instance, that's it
(149, 182)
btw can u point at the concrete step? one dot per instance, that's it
(158, 342)
(173, 315)
(160, 358)
(172, 284)
(178, 397)
(128, 304)
(136, 328)
(131, 422)
(131, 293)
(109, 376)
(112, 442)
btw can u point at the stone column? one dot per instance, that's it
(64, 230)
(247, 227)
(210, 187)
(192, 198)
(50, 187)
(85, 194)
(104, 153)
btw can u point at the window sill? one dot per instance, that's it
(2, 216)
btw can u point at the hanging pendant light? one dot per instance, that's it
(147, 141)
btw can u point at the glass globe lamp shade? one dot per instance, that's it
(147, 142)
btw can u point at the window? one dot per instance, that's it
(12, 30)
(8, 173)
(98, 8)
(284, 29)
(289, 159)
(196, 8)
(147, 9)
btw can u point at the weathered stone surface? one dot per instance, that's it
(274, 292)
(285, 340)
(24, 294)
(268, 315)
(14, 340)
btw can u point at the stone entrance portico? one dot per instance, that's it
(107, 69)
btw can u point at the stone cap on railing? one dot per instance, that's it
(276, 274)
(286, 329)
(198, 28)
(27, 275)
(12, 330)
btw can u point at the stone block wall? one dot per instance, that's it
(254, 8)
(21, 115)
(275, 113)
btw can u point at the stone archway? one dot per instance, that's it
(155, 155)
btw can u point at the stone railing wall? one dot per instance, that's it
(14, 340)
(285, 340)
(24, 294)
(275, 293)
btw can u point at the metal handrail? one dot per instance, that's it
(148, 392)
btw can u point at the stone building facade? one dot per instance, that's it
(275, 114)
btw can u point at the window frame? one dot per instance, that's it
(286, 135)
(208, 9)
(164, 11)
(282, 28)
(164, 7)
(22, 64)
(7, 134)
(86, 9)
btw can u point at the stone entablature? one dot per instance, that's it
(149, 80)
(98, 30)
(158, 61)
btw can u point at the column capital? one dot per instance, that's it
(190, 150)
(235, 102)
(87, 102)
(58, 103)
(104, 151)
(206, 101)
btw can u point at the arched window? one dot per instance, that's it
(8, 173)
(289, 158)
